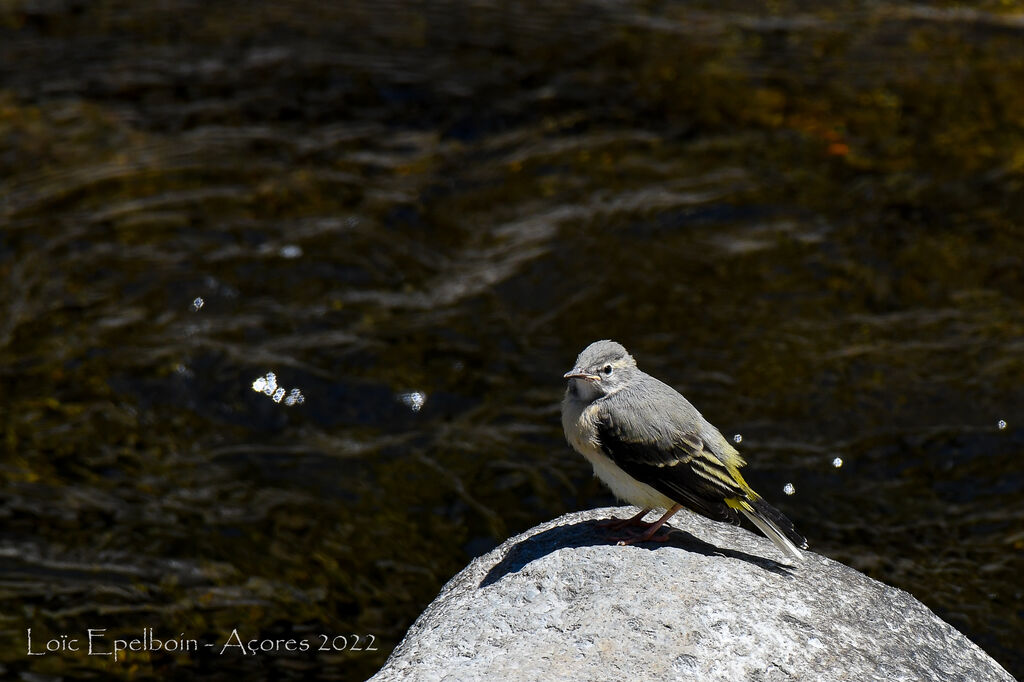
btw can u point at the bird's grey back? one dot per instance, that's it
(662, 413)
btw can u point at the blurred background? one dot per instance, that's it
(287, 290)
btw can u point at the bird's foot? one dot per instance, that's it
(642, 537)
(619, 524)
(649, 535)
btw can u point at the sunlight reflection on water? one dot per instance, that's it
(267, 385)
(414, 400)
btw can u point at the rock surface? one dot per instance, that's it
(715, 602)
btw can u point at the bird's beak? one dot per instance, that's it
(576, 373)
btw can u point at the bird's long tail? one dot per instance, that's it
(773, 523)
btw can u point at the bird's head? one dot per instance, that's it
(603, 368)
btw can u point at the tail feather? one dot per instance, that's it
(775, 526)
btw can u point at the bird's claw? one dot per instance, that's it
(619, 524)
(658, 537)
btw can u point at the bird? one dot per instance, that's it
(654, 450)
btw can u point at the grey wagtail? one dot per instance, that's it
(655, 450)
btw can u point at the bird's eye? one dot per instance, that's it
(607, 369)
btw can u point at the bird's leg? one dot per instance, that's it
(619, 524)
(649, 534)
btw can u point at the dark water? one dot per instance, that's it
(415, 215)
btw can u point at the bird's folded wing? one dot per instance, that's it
(677, 465)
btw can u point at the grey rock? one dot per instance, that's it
(715, 602)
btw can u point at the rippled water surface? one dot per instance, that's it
(287, 291)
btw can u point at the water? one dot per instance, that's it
(807, 221)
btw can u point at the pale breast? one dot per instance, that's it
(579, 424)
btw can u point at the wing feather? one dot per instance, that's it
(680, 467)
